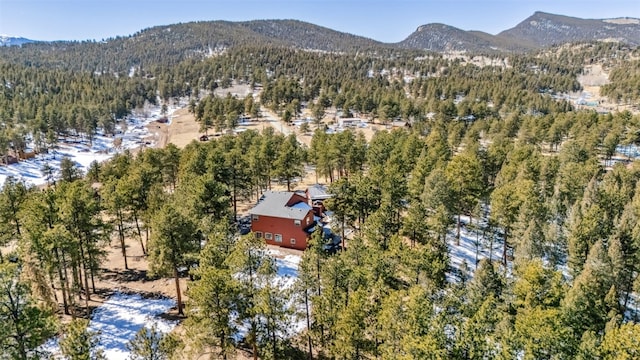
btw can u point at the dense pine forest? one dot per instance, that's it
(495, 150)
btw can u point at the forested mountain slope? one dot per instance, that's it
(171, 44)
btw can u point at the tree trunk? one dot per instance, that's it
(135, 218)
(123, 248)
(319, 292)
(52, 280)
(77, 277)
(87, 297)
(146, 237)
(235, 195)
(178, 294)
(254, 340)
(121, 236)
(477, 247)
(75, 269)
(493, 234)
(17, 224)
(62, 282)
(91, 271)
(19, 339)
(274, 342)
(306, 305)
(504, 248)
(458, 232)
(628, 287)
(344, 223)
(84, 276)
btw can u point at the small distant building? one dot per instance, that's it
(349, 122)
(283, 218)
(400, 124)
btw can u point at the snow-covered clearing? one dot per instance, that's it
(132, 132)
(473, 246)
(287, 267)
(119, 318)
(631, 151)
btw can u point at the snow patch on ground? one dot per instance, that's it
(630, 151)
(473, 246)
(118, 320)
(132, 132)
(286, 276)
(287, 267)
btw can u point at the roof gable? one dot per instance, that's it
(282, 204)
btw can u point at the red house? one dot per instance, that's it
(283, 218)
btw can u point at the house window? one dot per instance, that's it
(267, 236)
(296, 222)
(278, 238)
(259, 234)
(255, 217)
(293, 241)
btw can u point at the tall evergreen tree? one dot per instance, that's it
(79, 212)
(12, 196)
(80, 343)
(254, 270)
(174, 244)
(289, 163)
(213, 296)
(152, 344)
(465, 176)
(25, 325)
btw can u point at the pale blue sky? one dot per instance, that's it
(383, 20)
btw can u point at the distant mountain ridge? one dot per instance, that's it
(171, 44)
(443, 38)
(543, 29)
(6, 40)
(537, 31)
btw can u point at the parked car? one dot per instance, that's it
(332, 242)
(244, 225)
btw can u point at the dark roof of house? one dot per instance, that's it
(274, 203)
